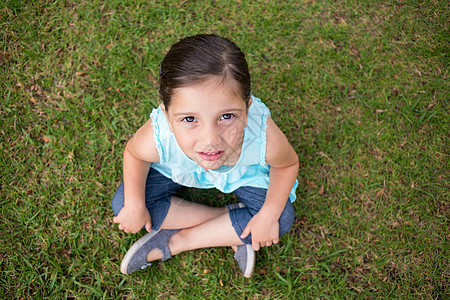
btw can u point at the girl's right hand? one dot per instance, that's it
(132, 219)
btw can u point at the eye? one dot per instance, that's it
(189, 119)
(227, 116)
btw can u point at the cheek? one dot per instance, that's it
(184, 139)
(234, 134)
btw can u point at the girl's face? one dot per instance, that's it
(208, 121)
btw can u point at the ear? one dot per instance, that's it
(248, 109)
(166, 114)
(249, 103)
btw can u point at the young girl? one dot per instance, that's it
(209, 132)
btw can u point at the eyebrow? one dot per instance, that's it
(184, 114)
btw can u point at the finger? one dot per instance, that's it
(115, 220)
(148, 226)
(275, 241)
(268, 244)
(255, 244)
(245, 233)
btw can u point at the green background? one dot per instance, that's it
(360, 89)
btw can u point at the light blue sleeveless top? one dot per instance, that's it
(250, 170)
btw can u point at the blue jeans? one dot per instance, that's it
(159, 189)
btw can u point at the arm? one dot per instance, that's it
(284, 165)
(139, 153)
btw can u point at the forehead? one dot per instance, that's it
(214, 89)
(227, 86)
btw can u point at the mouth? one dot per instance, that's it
(211, 156)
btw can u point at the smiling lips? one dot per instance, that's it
(211, 156)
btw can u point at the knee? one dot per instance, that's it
(287, 218)
(118, 200)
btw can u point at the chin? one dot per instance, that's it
(210, 165)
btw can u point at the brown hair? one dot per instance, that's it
(195, 59)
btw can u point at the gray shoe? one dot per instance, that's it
(245, 256)
(136, 257)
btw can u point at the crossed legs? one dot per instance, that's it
(203, 227)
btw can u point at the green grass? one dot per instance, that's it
(359, 87)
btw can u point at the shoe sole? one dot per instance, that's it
(134, 248)
(250, 262)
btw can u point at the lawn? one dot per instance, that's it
(360, 88)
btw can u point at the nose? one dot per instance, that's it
(211, 135)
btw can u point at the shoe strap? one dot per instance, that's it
(165, 253)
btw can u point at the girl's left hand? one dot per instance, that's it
(264, 230)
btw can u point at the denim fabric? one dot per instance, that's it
(159, 189)
(254, 199)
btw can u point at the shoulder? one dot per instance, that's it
(279, 152)
(142, 145)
